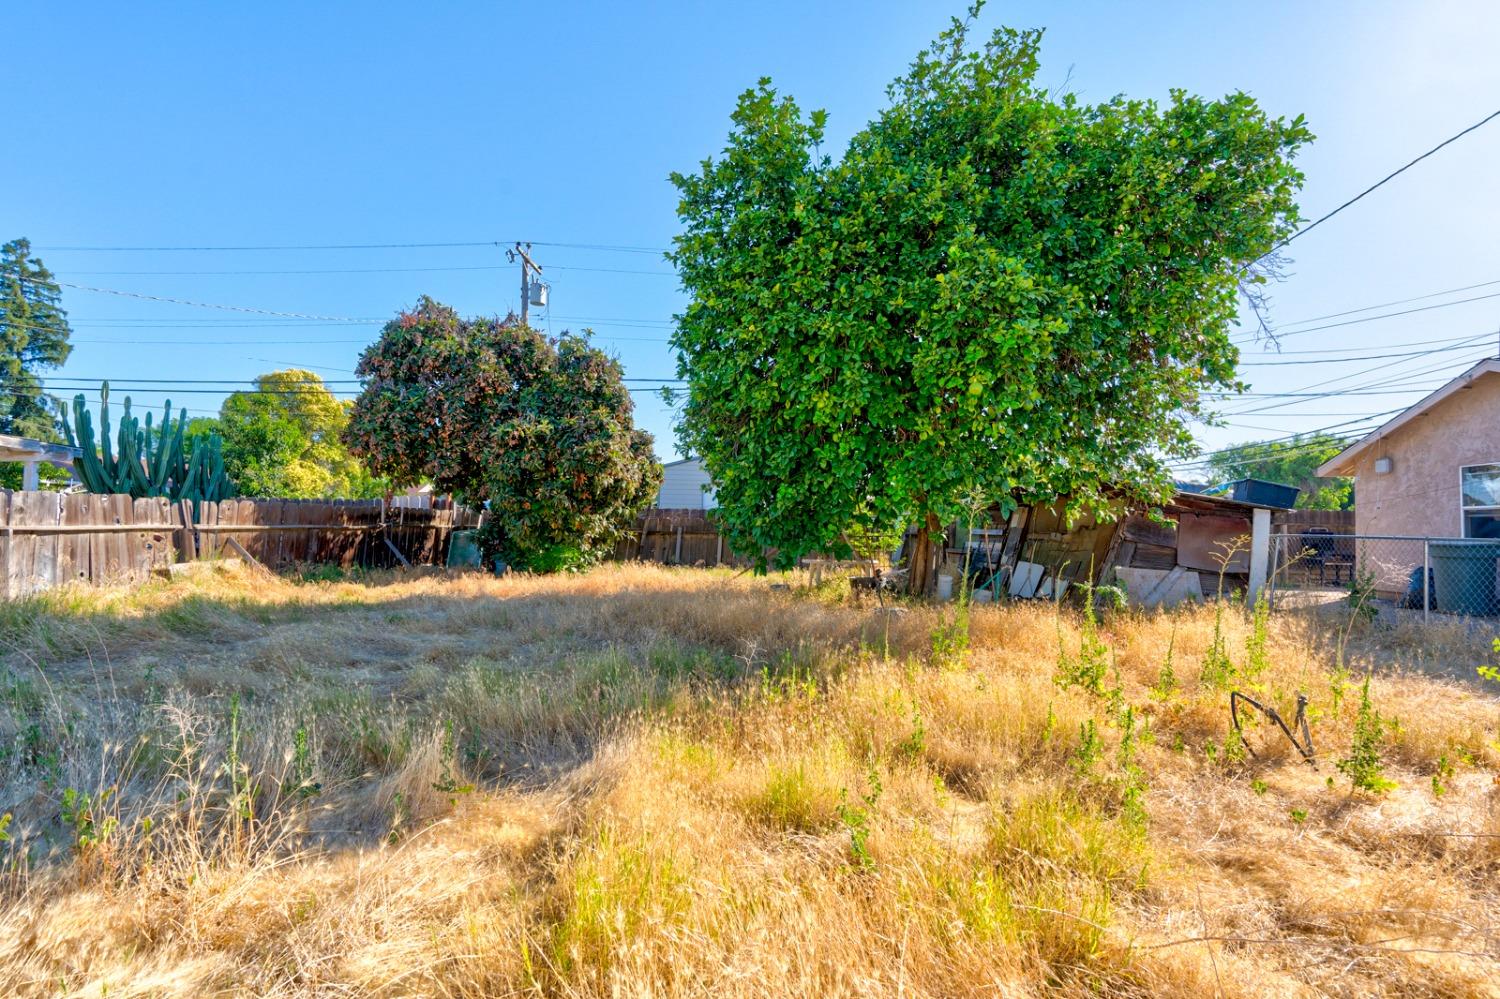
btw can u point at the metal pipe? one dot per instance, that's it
(1426, 580)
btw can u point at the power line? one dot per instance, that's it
(203, 305)
(314, 391)
(1304, 395)
(367, 270)
(1292, 452)
(1339, 378)
(172, 325)
(1302, 415)
(1358, 418)
(1277, 454)
(1384, 180)
(1348, 429)
(1385, 305)
(1361, 418)
(1360, 350)
(226, 249)
(216, 343)
(366, 341)
(1467, 345)
(1371, 319)
(601, 247)
(253, 381)
(301, 364)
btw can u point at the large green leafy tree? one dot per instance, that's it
(34, 335)
(541, 430)
(285, 438)
(995, 291)
(1293, 462)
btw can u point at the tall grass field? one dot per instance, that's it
(661, 782)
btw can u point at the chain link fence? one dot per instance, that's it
(1429, 576)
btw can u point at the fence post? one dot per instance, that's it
(1273, 564)
(677, 552)
(1426, 580)
(1260, 550)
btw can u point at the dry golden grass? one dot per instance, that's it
(651, 782)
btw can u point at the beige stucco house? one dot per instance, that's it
(1434, 470)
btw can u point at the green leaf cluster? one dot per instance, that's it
(539, 430)
(996, 289)
(285, 439)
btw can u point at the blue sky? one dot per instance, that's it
(154, 124)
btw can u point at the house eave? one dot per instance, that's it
(1345, 462)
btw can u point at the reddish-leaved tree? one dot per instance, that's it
(495, 412)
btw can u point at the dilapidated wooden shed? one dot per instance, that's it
(1176, 555)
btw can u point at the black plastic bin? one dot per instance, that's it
(1263, 493)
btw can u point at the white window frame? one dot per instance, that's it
(1464, 509)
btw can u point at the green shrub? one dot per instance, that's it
(1363, 766)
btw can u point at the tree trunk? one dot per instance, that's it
(919, 580)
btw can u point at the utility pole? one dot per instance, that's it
(527, 266)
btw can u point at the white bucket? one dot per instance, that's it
(982, 596)
(944, 586)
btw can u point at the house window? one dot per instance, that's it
(1480, 486)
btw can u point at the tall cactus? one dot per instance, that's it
(146, 464)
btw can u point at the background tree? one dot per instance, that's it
(495, 412)
(34, 335)
(994, 290)
(1292, 462)
(285, 439)
(50, 477)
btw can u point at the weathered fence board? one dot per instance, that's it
(677, 537)
(52, 538)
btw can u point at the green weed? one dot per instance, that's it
(1166, 681)
(1363, 766)
(1087, 669)
(1444, 772)
(1090, 750)
(856, 819)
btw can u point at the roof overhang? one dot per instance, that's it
(1186, 502)
(13, 448)
(1344, 462)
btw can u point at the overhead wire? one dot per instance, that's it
(1250, 338)
(1382, 305)
(1348, 429)
(1466, 345)
(1363, 350)
(1356, 374)
(600, 247)
(1304, 230)
(368, 270)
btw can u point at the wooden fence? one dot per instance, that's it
(677, 537)
(53, 538)
(690, 537)
(1298, 521)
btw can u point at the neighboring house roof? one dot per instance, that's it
(1343, 463)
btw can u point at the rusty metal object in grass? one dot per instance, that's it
(1303, 745)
